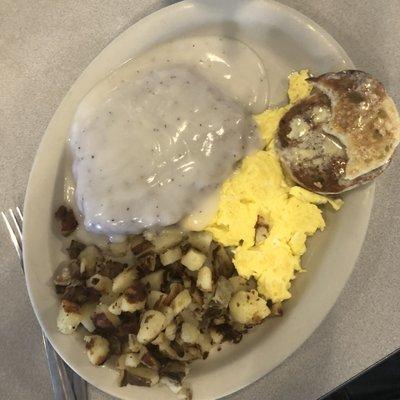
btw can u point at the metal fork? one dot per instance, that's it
(67, 385)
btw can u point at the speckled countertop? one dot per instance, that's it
(46, 44)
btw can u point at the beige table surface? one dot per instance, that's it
(46, 44)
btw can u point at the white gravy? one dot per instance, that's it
(153, 141)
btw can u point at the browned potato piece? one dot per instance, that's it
(68, 222)
(97, 349)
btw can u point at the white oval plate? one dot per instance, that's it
(286, 41)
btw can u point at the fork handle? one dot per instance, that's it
(60, 382)
(79, 385)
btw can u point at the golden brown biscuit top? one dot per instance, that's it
(364, 118)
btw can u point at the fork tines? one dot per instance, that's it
(13, 221)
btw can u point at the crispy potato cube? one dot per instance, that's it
(174, 289)
(164, 346)
(193, 260)
(151, 325)
(173, 374)
(155, 279)
(146, 263)
(127, 303)
(149, 360)
(204, 279)
(88, 258)
(170, 331)
(69, 317)
(205, 343)
(200, 241)
(169, 237)
(133, 345)
(248, 308)
(129, 306)
(170, 256)
(124, 279)
(187, 315)
(134, 298)
(189, 333)
(181, 301)
(169, 315)
(103, 309)
(109, 298)
(66, 273)
(87, 311)
(118, 249)
(223, 292)
(66, 217)
(97, 349)
(155, 297)
(141, 376)
(216, 337)
(132, 360)
(171, 385)
(101, 283)
(115, 308)
(139, 245)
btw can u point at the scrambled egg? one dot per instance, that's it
(260, 188)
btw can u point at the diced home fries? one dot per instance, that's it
(157, 302)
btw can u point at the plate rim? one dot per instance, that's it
(34, 174)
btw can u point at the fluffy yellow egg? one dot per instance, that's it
(259, 189)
